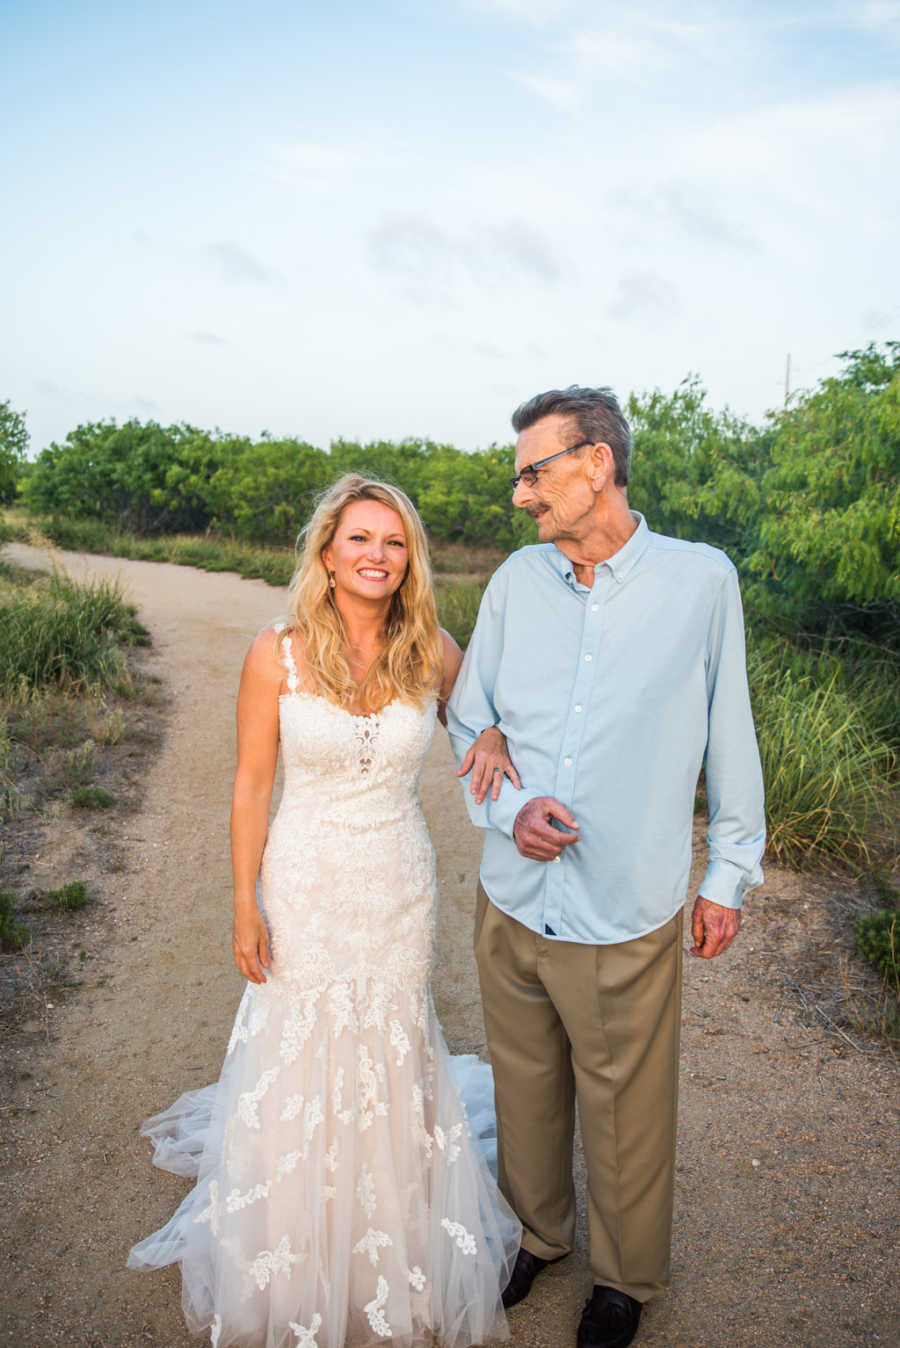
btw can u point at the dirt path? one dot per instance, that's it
(785, 1211)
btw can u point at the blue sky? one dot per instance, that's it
(389, 219)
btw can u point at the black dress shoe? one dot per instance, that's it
(610, 1319)
(525, 1270)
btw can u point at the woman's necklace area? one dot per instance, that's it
(360, 659)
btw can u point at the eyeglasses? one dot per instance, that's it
(529, 474)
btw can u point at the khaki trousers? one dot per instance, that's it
(600, 1024)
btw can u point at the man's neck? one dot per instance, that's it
(608, 529)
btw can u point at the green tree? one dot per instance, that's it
(13, 448)
(265, 492)
(828, 539)
(140, 476)
(696, 473)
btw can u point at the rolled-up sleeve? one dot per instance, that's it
(734, 783)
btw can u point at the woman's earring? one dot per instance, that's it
(331, 580)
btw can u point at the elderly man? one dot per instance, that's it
(612, 658)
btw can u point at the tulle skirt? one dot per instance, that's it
(343, 1190)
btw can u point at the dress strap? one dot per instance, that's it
(287, 657)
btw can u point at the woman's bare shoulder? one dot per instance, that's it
(265, 659)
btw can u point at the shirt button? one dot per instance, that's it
(588, 659)
(567, 762)
(557, 858)
(594, 607)
(578, 706)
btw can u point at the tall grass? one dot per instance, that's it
(274, 565)
(827, 772)
(457, 606)
(55, 633)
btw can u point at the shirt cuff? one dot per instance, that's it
(726, 884)
(503, 812)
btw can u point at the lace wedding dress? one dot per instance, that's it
(341, 1195)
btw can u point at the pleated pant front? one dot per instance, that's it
(596, 1024)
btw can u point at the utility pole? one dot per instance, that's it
(787, 379)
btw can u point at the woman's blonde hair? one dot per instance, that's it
(409, 666)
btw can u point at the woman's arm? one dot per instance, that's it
(257, 727)
(487, 759)
(452, 661)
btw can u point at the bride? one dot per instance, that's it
(340, 1195)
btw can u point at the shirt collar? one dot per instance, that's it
(620, 563)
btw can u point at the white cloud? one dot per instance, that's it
(560, 93)
(689, 208)
(432, 263)
(237, 265)
(644, 295)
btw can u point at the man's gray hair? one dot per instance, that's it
(595, 411)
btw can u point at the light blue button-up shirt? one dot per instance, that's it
(611, 698)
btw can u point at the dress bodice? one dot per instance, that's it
(347, 878)
(333, 759)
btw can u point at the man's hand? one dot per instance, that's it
(536, 837)
(713, 928)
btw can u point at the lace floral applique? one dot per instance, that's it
(464, 1239)
(337, 1098)
(341, 1008)
(381, 999)
(312, 1117)
(366, 733)
(239, 1032)
(235, 1201)
(375, 1309)
(270, 1262)
(448, 1142)
(420, 1132)
(306, 1338)
(417, 1278)
(369, 1075)
(400, 1041)
(371, 1243)
(365, 1191)
(248, 1102)
(292, 1107)
(298, 1024)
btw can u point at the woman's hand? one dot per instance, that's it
(489, 762)
(250, 943)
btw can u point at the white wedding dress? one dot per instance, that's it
(342, 1196)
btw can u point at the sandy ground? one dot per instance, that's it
(785, 1206)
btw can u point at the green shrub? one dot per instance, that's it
(92, 798)
(13, 934)
(877, 940)
(69, 897)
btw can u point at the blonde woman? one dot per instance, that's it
(340, 1198)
